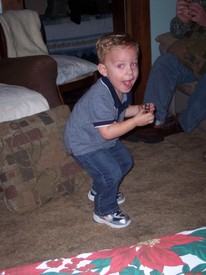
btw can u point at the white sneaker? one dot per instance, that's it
(116, 220)
(120, 196)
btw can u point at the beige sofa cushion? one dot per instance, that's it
(190, 50)
(165, 40)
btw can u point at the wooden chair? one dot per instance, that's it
(76, 86)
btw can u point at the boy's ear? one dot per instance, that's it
(102, 69)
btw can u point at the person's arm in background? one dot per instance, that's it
(181, 24)
(188, 12)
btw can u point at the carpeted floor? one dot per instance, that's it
(165, 194)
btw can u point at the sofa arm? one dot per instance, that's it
(33, 72)
(165, 40)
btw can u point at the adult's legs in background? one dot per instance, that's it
(195, 112)
(167, 71)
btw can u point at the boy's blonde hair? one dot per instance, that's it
(111, 40)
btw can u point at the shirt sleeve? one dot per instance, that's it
(178, 29)
(103, 111)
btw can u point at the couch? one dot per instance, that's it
(183, 91)
(35, 167)
(22, 34)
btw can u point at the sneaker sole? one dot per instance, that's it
(91, 198)
(102, 221)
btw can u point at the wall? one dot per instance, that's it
(161, 12)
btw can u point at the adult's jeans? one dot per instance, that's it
(167, 71)
(107, 167)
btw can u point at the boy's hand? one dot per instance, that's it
(144, 117)
(138, 116)
(133, 110)
(148, 107)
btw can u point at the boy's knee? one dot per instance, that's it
(117, 175)
(130, 164)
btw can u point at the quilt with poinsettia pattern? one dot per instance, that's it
(182, 253)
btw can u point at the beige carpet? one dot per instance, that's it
(165, 194)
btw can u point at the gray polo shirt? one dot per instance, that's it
(99, 106)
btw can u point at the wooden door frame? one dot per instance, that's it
(133, 16)
(138, 25)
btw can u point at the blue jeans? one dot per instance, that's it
(167, 71)
(107, 167)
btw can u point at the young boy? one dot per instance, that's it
(97, 121)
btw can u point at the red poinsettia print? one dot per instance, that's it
(54, 263)
(120, 257)
(154, 254)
